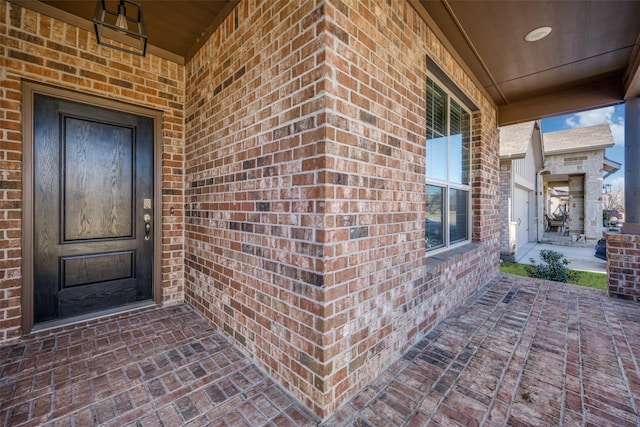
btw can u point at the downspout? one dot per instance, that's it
(540, 209)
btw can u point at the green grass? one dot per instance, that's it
(583, 278)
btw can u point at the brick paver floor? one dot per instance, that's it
(153, 367)
(517, 352)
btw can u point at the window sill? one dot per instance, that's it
(435, 262)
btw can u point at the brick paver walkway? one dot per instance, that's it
(518, 352)
(154, 367)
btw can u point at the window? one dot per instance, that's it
(447, 215)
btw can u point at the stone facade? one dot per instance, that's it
(584, 171)
(577, 205)
(294, 139)
(571, 161)
(623, 265)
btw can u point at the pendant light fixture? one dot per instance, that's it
(121, 20)
(128, 29)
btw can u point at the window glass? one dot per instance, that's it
(434, 224)
(436, 164)
(458, 215)
(436, 111)
(437, 139)
(447, 165)
(459, 142)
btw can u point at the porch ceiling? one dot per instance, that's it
(590, 59)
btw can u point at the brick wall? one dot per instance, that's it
(305, 190)
(507, 239)
(38, 48)
(623, 267)
(255, 131)
(304, 171)
(382, 291)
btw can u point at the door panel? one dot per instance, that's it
(97, 180)
(521, 214)
(93, 168)
(84, 270)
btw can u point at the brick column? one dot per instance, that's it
(507, 228)
(632, 167)
(623, 250)
(623, 265)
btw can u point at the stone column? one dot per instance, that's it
(576, 204)
(632, 167)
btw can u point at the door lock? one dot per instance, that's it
(147, 226)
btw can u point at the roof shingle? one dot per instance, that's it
(578, 139)
(515, 139)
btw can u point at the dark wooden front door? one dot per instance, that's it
(93, 189)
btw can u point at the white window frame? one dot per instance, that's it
(448, 183)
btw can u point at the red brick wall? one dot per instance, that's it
(305, 190)
(382, 292)
(39, 48)
(623, 267)
(304, 174)
(255, 131)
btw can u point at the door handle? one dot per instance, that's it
(519, 222)
(147, 226)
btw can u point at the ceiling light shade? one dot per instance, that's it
(537, 34)
(121, 20)
(116, 26)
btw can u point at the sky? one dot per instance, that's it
(614, 116)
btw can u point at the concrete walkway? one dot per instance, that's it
(580, 258)
(519, 351)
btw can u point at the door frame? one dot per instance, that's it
(29, 89)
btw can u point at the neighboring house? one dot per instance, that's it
(277, 176)
(565, 169)
(575, 165)
(521, 157)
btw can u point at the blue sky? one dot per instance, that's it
(614, 116)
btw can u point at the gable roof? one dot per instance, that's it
(609, 167)
(515, 139)
(579, 139)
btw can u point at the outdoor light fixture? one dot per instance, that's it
(537, 34)
(121, 21)
(127, 29)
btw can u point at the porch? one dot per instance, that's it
(565, 239)
(518, 351)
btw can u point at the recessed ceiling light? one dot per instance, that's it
(537, 34)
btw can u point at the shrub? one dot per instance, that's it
(554, 268)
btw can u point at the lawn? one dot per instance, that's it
(583, 278)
